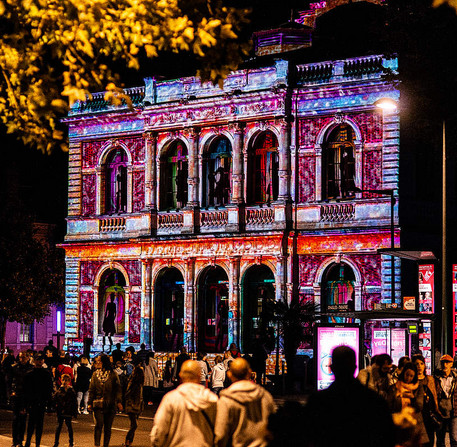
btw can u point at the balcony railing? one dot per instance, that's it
(260, 216)
(170, 220)
(213, 219)
(337, 212)
(111, 224)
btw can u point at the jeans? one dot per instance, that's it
(133, 426)
(19, 423)
(36, 419)
(451, 424)
(103, 420)
(80, 396)
(60, 421)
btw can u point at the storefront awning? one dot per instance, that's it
(413, 255)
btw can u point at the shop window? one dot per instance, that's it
(115, 170)
(338, 288)
(339, 164)
(217, 173)
(263, 179)
(173, 177)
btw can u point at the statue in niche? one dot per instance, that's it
(109, 328)
(222, 325)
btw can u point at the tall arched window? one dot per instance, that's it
(173, 177)
(217, 173)
(115, 170)
(263, 180)
(339, 164)
(338, 288)
(111, 303)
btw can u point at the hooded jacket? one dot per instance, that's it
(242, 415)
(186, 416)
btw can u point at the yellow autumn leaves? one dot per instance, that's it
(55, 52)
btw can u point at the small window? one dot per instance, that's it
(26, 333)
(116, 182)
(339, 164)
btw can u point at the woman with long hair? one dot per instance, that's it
(430, 398)
(408, 394)
(134, 401)
(151, 377)
(105, 394)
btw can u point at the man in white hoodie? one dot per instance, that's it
(243, 410)
(186, 415)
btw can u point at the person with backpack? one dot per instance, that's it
(83, 375)
(66, 405)
(134, 400)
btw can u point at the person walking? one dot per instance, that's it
(204, 371)
(83, 375)
(347, 413)
(38, 388)
(18, 396)
(218, 375)
(105, 395)
(445, 382)
(378, 376)
(406, 392)
(66, 406)
(134, 400)
(430, 412)
(151, 377)
(242, 410)
(167, 375)
(187, 414)
(179, 360)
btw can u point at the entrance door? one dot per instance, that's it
(213, 310)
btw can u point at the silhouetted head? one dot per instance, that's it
(239, 370)
(343, 362)
(190, 371)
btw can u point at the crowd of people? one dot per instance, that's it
(221, 401)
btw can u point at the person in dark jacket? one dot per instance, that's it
(105, 394)
(134, 400)
(66, 408)
(83, 375)
(38, 389)
(18, 373)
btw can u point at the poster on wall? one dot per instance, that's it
(454, 307)
(426, 288)
(425, 345)
(328, 338)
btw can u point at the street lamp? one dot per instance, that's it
(390, 193)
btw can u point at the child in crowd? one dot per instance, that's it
(66, 407)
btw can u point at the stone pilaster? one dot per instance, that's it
(234, 323)
(189, 336)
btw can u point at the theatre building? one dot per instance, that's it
(192, 212)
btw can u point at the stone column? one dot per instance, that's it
(234, 323)
(150, 174)
(190, 316)
(284, 162)
(146, 298)
(193, 178)
(237, 171)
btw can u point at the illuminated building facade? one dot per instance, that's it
(196, 209)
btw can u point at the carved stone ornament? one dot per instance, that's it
(339, 118)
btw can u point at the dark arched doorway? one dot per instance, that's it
(111, 302)
(213, 310)
(169, 310)
(338, 292)
(258, 299)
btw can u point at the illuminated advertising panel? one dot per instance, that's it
(426, 288)
(454, 306)
(380, 342)
(328, 338)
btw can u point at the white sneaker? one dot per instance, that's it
(85, 412)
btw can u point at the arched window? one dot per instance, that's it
(173, 177)
(339, 164)
(217, 173)
(111, 303)
(338, 288)
(115, 170)
(263, 177)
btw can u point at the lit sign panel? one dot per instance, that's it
(328, 338)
